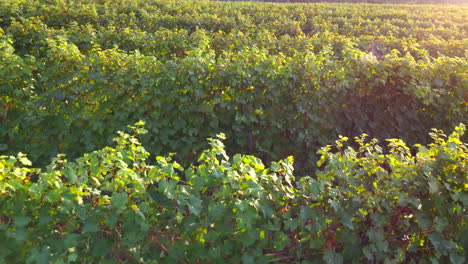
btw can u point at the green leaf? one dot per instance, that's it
(217, 211)
(375, 235)
(237, 159)
(159, 198)
(424, 220)
(335, 205)
(248, 259)
(101, 247)
(276, 167)
(281, 240)
(440, 224)
(25, 161)
(195, 204)
(53, 196)
(90, 228)
(456, 258)
(40, 255)
(176, 253)
(440, 243)
(434, 185)
(119, 200)
(346, 220)
(70, 174)
(71, 241)
(167, 187)
(198, 183)
(368, 252)
(72, 257)
(267, 208)
(332, 257)
(22, 221)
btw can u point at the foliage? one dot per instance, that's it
(362, 1)
(365, 206)
(279, 80)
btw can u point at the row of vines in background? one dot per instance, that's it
(143, 24)
(365, 206)
(279, 80)
(360, 1)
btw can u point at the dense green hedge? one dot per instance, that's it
(365, 206)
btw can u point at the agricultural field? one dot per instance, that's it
(193, 83)
(277, 79)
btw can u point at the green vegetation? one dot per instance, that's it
(278, 80)
(281, 81)
(362, 1)
(364, 207)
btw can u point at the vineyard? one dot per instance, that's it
(284, 84)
